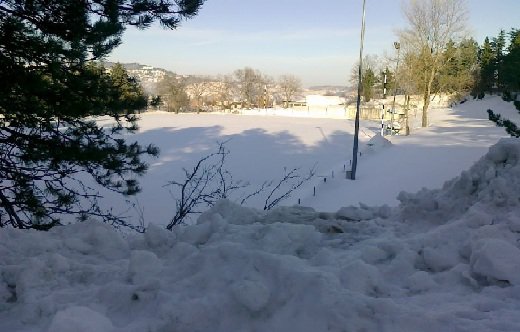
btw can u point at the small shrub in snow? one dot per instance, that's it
(209, 181)
(506, 96)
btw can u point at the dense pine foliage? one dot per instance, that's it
(52, 92)
(500, 64)
(500, 73)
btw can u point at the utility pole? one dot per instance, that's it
(384, 85)
(265, 96)
(398, 48)
(356, 123)
(383, 109)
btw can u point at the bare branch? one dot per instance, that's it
(294, 180)
(209, 181)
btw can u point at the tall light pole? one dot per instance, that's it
(398, 48)
(356, 123)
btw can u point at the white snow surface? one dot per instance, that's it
(444, 259)
(263, 146)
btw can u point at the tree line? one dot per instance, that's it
(500, 73)
(246, 87)
(436, 56)
(499, 59)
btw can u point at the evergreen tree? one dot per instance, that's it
(514, 40)
(446, 79)
(511, 63)
(130, 95)
(498, 45)
(460, 65)
(487, 68)
(510, 79)
(468, 61)
(52, 90)
(367, 84)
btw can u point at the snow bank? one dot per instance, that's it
(493, 180)
(375, 144)
(80, 319)
(444, 260)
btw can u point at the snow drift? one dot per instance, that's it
(444, 260)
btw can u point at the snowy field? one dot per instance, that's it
(443, 259)
(263, 147)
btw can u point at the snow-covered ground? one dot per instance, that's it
(455, 139)
(444, 259)
(262, 147)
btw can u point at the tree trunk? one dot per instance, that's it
(406, 115)
(426, 97)
(13, 216)
(426, 100)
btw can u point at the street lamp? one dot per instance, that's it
(356, 123)
(397, 46)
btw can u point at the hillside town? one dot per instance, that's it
(248, 89)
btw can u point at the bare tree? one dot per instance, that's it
(251, 83)
(225, 90)
(198, 89)
(173, 94)
(290, 85)
(432, 24)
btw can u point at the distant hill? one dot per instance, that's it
(147, 75)
(328, 90)
(134, 67)
(328, 87)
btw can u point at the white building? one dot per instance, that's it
(323, 101)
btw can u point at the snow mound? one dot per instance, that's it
(80, 319)
(496, 259)
(445, 260)
(494, 180)
(375, 144)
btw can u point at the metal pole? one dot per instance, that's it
(383, 121)
(398, 48)
(383, 109)
(384, 86)
(356, 123)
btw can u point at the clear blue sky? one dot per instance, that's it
(317, 41)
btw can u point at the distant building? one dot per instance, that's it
(298, 103)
